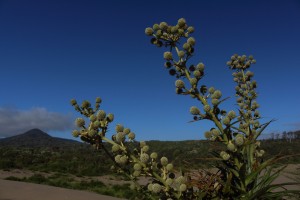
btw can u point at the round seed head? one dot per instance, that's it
(159, 33)
(217, 94)
(231, 114)
(194, 110)
(120, 136)
(142, 144)
(75, 133)
(182, 187)
(115, 148)
(180, 180)
(239, 140)
(163, 25)
(110, 117)
(85, 104)
(73, 102)
(179, 84)
(193, 81)
(168, 55)
(119, 128)
(169, 181)
(197, 74)
(181, 22)
(118, 158)
(150, 185)
(181, 54)
(137, 167)
(155, 27)
(174, 29)
(200, 67)
(190, 29)
(215, 132)
(145, 148)
(123, 159)
(136, 173)
(214, 102)
(144, 158)
(156, 188)
(98, 100)
(226, 121)
(149, 31)
(191, 41)
(169, 167)
(186, 46)
(164, 161)
(80, 122)
(153, 155)
(206, 108)
(224, 155)
(208, 134)
(211, 90)
(93, 118)
(131, 136)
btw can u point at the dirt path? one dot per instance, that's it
(13, 190)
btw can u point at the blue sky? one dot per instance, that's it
(52, 51)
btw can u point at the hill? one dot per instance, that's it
(37, 138)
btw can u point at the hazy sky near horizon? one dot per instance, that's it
(52, 51)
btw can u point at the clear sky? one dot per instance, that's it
(54, 50)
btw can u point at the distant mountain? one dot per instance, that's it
(37, 138)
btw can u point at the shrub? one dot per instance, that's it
(242, 172)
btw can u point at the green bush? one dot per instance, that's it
(243, 173)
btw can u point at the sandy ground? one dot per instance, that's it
(13, 190)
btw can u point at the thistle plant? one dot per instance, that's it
(240, 161)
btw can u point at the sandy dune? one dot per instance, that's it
(13, 190)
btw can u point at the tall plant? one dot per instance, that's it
(239, 162)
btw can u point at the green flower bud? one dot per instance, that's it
(118, 159)
(115, 148)
(150, 187)
(194, 110)
(239, 140)
(169, 167)
(174, 29)
(197, 74)
(80, 122)
(85, 104)
(144, 158)
(168, 55)
(214, 102)
(211, 90)
(190, 29)
(145, 148)
(208, 134)
(163, 25)
(182, 187)
(164, 161)
(155, 27)
(226, 121)
(93, 118)
(75, 133)
(123, 159)
(149, 31)
(73, 102)
(206, 108)
(159, 33)
(169, 181)
(181, 22)
(131, 136)
(179, 84)
(119, 128)
(200, 67)
(186, 46)
(156, 188)
(191, 41)
(193, 81)
(231, 146)
(110, 117)
(153, 155)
